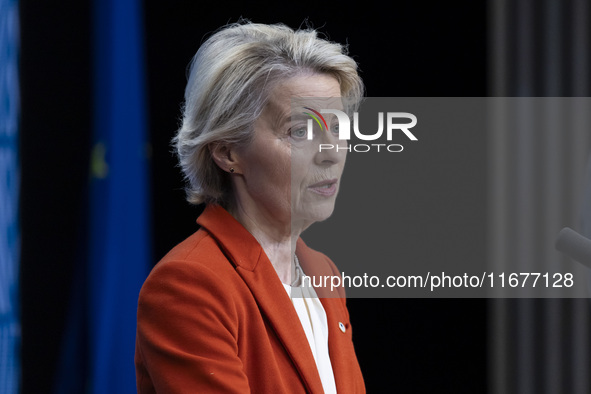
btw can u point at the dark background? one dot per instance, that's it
(406, 48)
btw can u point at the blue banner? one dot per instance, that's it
(9, 195)
(119, 196)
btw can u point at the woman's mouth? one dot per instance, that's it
(325, 188)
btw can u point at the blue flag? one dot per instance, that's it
(119, 195)
(9, 192)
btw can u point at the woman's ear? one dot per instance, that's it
(224, 156)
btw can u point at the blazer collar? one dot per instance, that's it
(238, 244)
(255, 268)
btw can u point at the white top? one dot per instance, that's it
(313, 320)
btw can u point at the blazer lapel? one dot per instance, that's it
(336, 344)
(335, 312)
(253, 265)
(278, 308)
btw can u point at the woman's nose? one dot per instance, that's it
(330, 149)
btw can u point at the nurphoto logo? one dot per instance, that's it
(344, 130)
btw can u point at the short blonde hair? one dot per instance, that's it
(230, 79)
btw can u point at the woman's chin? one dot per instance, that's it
(312, 215)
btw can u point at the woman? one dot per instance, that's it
(215, 314)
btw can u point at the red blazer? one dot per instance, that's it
(213, 317)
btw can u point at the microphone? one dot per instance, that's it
(574, 245)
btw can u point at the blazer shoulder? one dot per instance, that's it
(188, 322)
(196, 268)
(198, 251)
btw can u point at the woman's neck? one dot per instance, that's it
(276, 237)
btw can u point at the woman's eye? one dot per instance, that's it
(335, 129)
(298, 132)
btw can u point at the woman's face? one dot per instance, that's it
(284, 171)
